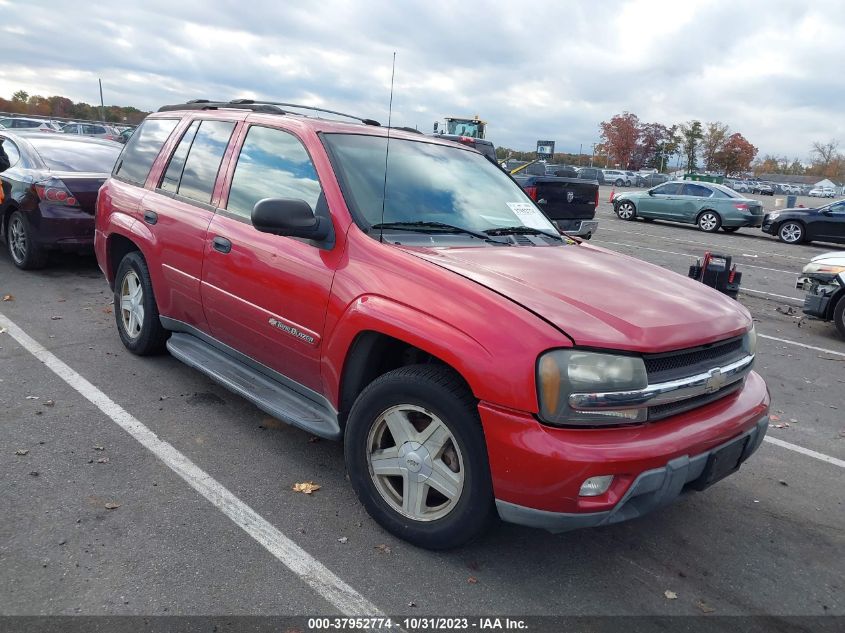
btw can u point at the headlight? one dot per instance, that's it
(751, 340)
(774, 215)
(821, 268)
(561, 373)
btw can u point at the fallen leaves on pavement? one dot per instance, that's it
(343, 539)
(8, 297)
(112, 505)
(384, 548)
(670, 595)
(103, 460)
(21, 451)
(472, 580)
(306, 487)
(704, 607)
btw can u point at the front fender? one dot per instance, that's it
(475, 363)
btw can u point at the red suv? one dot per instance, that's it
(402, 293)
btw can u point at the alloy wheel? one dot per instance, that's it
(415, 463)
(17, 239)
(625, 211)
(708, 222)
(132, 304)
(791, 232)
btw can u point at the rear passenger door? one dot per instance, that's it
(692, 200)
(266, 295)
(177, 214)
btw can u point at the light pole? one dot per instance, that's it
(593, 155)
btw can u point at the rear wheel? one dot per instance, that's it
(791, 232)
(23, 250)
(135, 308)
(626, 210)
(709, 221)
(619, 182)
(417, 459)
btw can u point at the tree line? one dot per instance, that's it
(63, 108)
(631, 144)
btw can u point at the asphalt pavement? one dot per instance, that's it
(98, 518)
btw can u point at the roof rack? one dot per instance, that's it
(270, 107)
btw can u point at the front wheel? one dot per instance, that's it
(839, 316)
(135, 308)
(791, 232)
(619, 182)
(626, 210)
(23, 250)
(709, 221)
(417, 459)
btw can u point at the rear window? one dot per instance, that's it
(141, 150)
(67, 154)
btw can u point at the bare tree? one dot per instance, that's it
(825, 153)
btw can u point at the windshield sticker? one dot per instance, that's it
(529, 215)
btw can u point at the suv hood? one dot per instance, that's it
(600, 298)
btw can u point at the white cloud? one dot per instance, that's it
(770, 70)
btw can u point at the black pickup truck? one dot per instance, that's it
(569, 202)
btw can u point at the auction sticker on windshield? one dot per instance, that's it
(529, 215)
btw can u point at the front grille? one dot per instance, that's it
(684, 363)
(674, 408)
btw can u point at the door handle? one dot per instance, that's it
(150, 217)
(221, 244)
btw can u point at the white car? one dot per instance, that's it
(617, 178)
(821, 193)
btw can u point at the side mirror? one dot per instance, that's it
(651, 192)
(291, 217)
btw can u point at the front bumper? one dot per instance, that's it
(538, 470)
(651, 490)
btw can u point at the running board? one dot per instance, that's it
(267, 394)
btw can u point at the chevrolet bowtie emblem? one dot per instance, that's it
(715, 381)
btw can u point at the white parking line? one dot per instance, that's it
(323, 581)
(772, 294)
(698, 242)
(658, 250)
(805, 451)
(813, 347)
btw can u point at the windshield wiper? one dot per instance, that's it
(521, 230)
(424, 227)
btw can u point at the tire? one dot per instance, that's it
(626, 210)
(839, 316)
(135, 309)
(708, 221)
(23, 251)
(791, 232)
(730, 229)
(455, 453)
(619, 182)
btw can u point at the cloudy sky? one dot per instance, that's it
(552, 70)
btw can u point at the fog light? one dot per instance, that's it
(595, 486)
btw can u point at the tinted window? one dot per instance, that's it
(141, 150)
(204, 158)
(63, 153)
(427, 182)
(272, 164)
(696, 190)
(95, 129)
(669, 189)
(170, 181)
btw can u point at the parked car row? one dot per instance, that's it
(712, 207)
(614, 177)
(92, 129)
(770, 188)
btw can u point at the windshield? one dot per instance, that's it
(428, 183)
(63, 154)
(462, 127)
